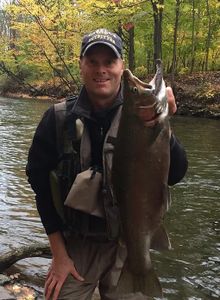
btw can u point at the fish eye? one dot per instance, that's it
(134, 90)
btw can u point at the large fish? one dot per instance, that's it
(140, 180)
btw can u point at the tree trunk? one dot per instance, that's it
(149, 61)
(131, 59)
(193, 38)
(34, 250)
(174, 61)
(158, 18)
(208, 39)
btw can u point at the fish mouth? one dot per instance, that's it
(153, 121)
(149, 114)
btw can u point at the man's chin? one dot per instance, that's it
(102, 100)
(102, 94)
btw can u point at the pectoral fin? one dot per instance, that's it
(160, 240)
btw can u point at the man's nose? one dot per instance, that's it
(100, 68)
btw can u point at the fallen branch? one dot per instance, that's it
(34, 250)
(15, 77)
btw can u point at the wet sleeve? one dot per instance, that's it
(43, 158)
(178, 161)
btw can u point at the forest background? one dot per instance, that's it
(40, 42)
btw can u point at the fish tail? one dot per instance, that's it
(147, 284)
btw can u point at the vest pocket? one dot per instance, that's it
(84, 194)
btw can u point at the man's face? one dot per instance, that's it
(101, 73)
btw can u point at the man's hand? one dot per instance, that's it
(62, 265)
(58, 272)
(171, 101)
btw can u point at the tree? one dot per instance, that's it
(158, 7)
(174, 59)
(208, 38)
(40, 39)
(193, 37)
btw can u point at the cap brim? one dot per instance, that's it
(101, 43)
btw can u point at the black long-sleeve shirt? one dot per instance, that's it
(43, 158)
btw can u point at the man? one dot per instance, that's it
(87, 254)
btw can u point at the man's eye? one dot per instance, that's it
(110, 62)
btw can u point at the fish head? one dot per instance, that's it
(151, 96)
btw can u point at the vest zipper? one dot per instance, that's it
(101, 131)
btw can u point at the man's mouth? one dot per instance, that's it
(101, 80)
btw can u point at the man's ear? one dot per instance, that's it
(123, 66)
(80, 68)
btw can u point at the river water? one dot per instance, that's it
(191, 270)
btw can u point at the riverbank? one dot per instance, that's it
(197, 94)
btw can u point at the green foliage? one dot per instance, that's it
(140, 72)
(206, 92)
(184, 71)
(41, 39)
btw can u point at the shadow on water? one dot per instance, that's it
(191, 270)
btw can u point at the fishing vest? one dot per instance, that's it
(74, 148)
